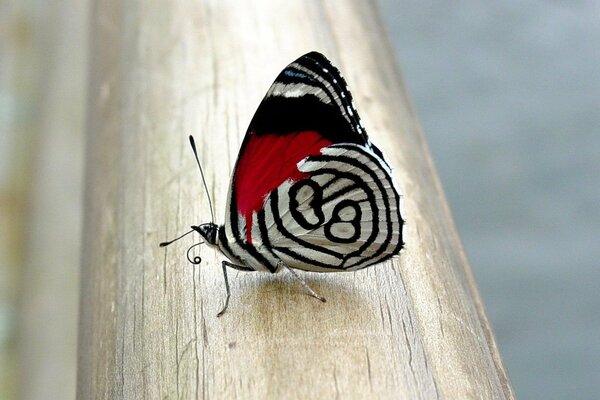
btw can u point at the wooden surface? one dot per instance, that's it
(410, 328)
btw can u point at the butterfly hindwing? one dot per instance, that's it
(344, 216)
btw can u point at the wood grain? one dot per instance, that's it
(410, 328)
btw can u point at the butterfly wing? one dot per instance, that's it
(306, 110)
(344, 216)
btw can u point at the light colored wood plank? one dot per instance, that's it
(410, 328)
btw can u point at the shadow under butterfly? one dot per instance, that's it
(309, 190)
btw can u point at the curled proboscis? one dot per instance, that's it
(196, 260)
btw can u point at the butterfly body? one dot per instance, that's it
(309, 190)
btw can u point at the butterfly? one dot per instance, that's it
(309, 190)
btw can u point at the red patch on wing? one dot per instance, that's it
(267, 161)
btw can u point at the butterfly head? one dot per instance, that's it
(209, 232)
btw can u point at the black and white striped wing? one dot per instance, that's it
(345, 216)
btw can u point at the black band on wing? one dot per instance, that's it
(310, 94)
(283, 115)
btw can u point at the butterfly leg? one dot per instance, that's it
(226, 264)
(308, 288)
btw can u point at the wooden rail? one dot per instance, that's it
(411, 328)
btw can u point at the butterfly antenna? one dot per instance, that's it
(193, 143)
(164, 244)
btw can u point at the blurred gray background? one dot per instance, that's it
(509, 97)
(508, 94)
